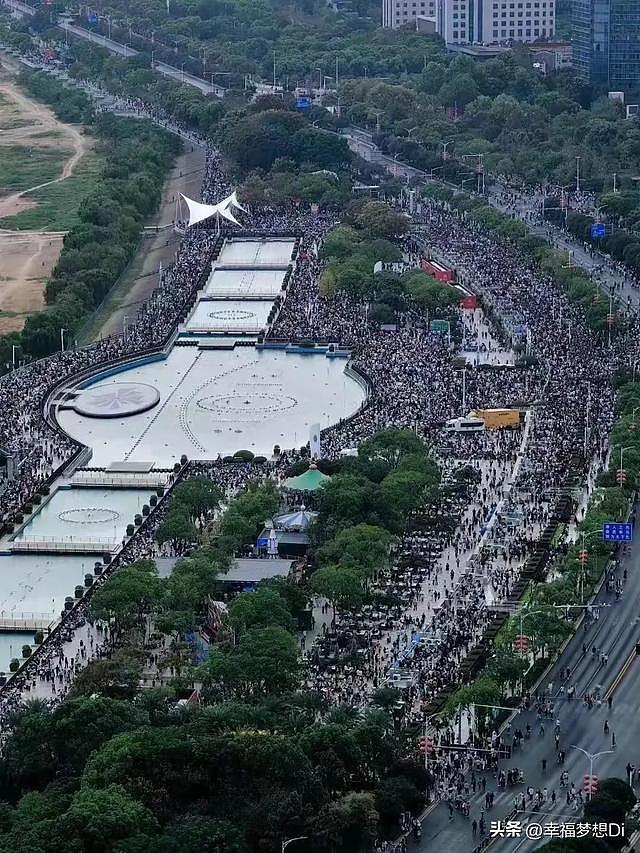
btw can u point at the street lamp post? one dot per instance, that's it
(289, 841)
(524, 612)
(578, 174)
(592, 757)
(62, 331)
(480, 167)
(583, 558)
(621, 475)
(445, 145)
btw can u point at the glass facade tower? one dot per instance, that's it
(606, 42)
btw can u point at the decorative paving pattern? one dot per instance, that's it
(247, 408)
(119, 400)
(89, 515)
(231, 314)
(185, 419)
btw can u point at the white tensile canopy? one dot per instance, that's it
(198, 211)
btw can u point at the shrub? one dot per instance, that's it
(14, 665)
(26, 651)
(245, 455)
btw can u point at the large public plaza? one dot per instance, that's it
(238, 351)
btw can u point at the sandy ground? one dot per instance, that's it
(157, 248)
(27, 257)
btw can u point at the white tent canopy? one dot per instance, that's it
(198, 211)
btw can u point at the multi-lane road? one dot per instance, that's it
(615, 634)
(124, 50)
(603, 269)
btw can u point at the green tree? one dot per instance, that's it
(377, 219)
(177, 529)
(117, 677)
(342, 585)
(128, 594)
(101, 817)
(350, 822)
(200, 496)
(260, 609)
(264, 662)
(365, 545)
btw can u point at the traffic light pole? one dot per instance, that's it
(591, 756)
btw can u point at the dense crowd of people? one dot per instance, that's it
(458, 559)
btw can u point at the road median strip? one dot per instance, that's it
(621, 674)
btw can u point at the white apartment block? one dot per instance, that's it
(455, 21)
(511, 20)
(477, 21)
(397, 13)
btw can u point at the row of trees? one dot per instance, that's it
(575, 578)
(116, 768)
(368, 236)
(364, 508)
(95, 252)
(258, 137)
(575, 283)
(620, 243)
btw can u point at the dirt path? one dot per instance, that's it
(44, 121)
(27, 257)
(157, 248)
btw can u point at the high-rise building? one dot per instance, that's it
(606, 41)
(397, 13)
(499, 21)
(478, 21)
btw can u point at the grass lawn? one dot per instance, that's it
(27, 167)
(10, 116)
(58, 203)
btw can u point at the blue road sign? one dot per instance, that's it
(597, 229)
(615, 531)
(303, 102)
(92, 17)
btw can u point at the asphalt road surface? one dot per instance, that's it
(604, 270)
(615, 633)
